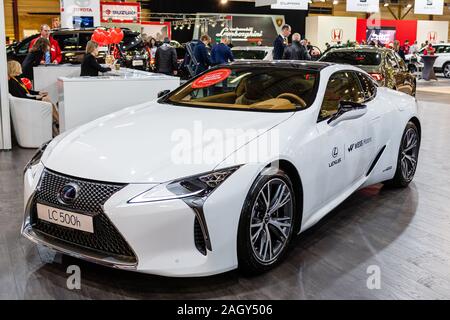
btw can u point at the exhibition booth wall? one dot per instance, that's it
(323, 29)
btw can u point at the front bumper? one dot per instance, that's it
(161, 234)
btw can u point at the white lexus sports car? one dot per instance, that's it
(222, 172)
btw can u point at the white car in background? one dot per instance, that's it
(253, 53)
(221, 173)
(442, 64)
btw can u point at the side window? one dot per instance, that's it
(342, 86)
(391, 60)
(67, 42)
(24, 47)
(368, 86)
(439, 49)
(84, 37)
(447, 49)
(400, 61)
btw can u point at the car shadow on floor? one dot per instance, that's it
(328, 260)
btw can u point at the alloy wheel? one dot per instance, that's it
(409, 154)
(447, 70)
(271, 220)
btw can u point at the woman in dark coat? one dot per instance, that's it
(37, 56)
(90, 67)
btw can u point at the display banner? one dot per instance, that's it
(291, 5)
(80, 13)
(120, 12)
(363, 6)
(245, 30)
(435, 7)
(262, 3)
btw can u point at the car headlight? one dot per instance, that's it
(37, 156)
(195, 186)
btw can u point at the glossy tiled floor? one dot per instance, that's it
(406, 233)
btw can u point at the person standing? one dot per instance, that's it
(281, 42)
(406, 47)
(201, 54)
(90, 66)
(166, 59)
(221, 53)
(296, 51)
(54, 55)
(35, 57)
(414, 48)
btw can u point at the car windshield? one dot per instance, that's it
(249, 54)
(249, 88)
(356, 58)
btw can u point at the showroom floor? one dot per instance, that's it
(406, 233)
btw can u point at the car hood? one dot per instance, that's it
(156, 142)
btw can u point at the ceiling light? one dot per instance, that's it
(409, 5)
(223, 1)
(335, 2)
(386, 4)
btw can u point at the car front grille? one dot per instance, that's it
(106, 239)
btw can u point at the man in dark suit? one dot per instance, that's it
(281, 42)
(202, 55)
(221, 53)
(296, 51)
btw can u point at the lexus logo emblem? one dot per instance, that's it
(335, 152)
(69, 193)
(337, 35)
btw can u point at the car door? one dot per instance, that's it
(347, 148)
(440, 53)
(404, 79)
(394, 76)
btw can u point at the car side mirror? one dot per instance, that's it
(163, 93)
(348, 110)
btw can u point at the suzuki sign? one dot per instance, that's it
(120, 12)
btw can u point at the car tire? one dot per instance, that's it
(407, 158)
(446, 70)
(271, 231)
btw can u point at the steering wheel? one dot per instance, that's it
(293, 98)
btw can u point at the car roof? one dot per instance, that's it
(252, 48)
(294, 64)
(360, 49)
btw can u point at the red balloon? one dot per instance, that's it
(99, 37)
(27, 83)
(120, 35)
(108, 38)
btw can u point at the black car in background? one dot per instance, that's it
(73, 46)
(384, 65)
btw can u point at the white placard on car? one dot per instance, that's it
(370, 6)
(65, 218)
(435, 7)
(291, 5)
(138, 63)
